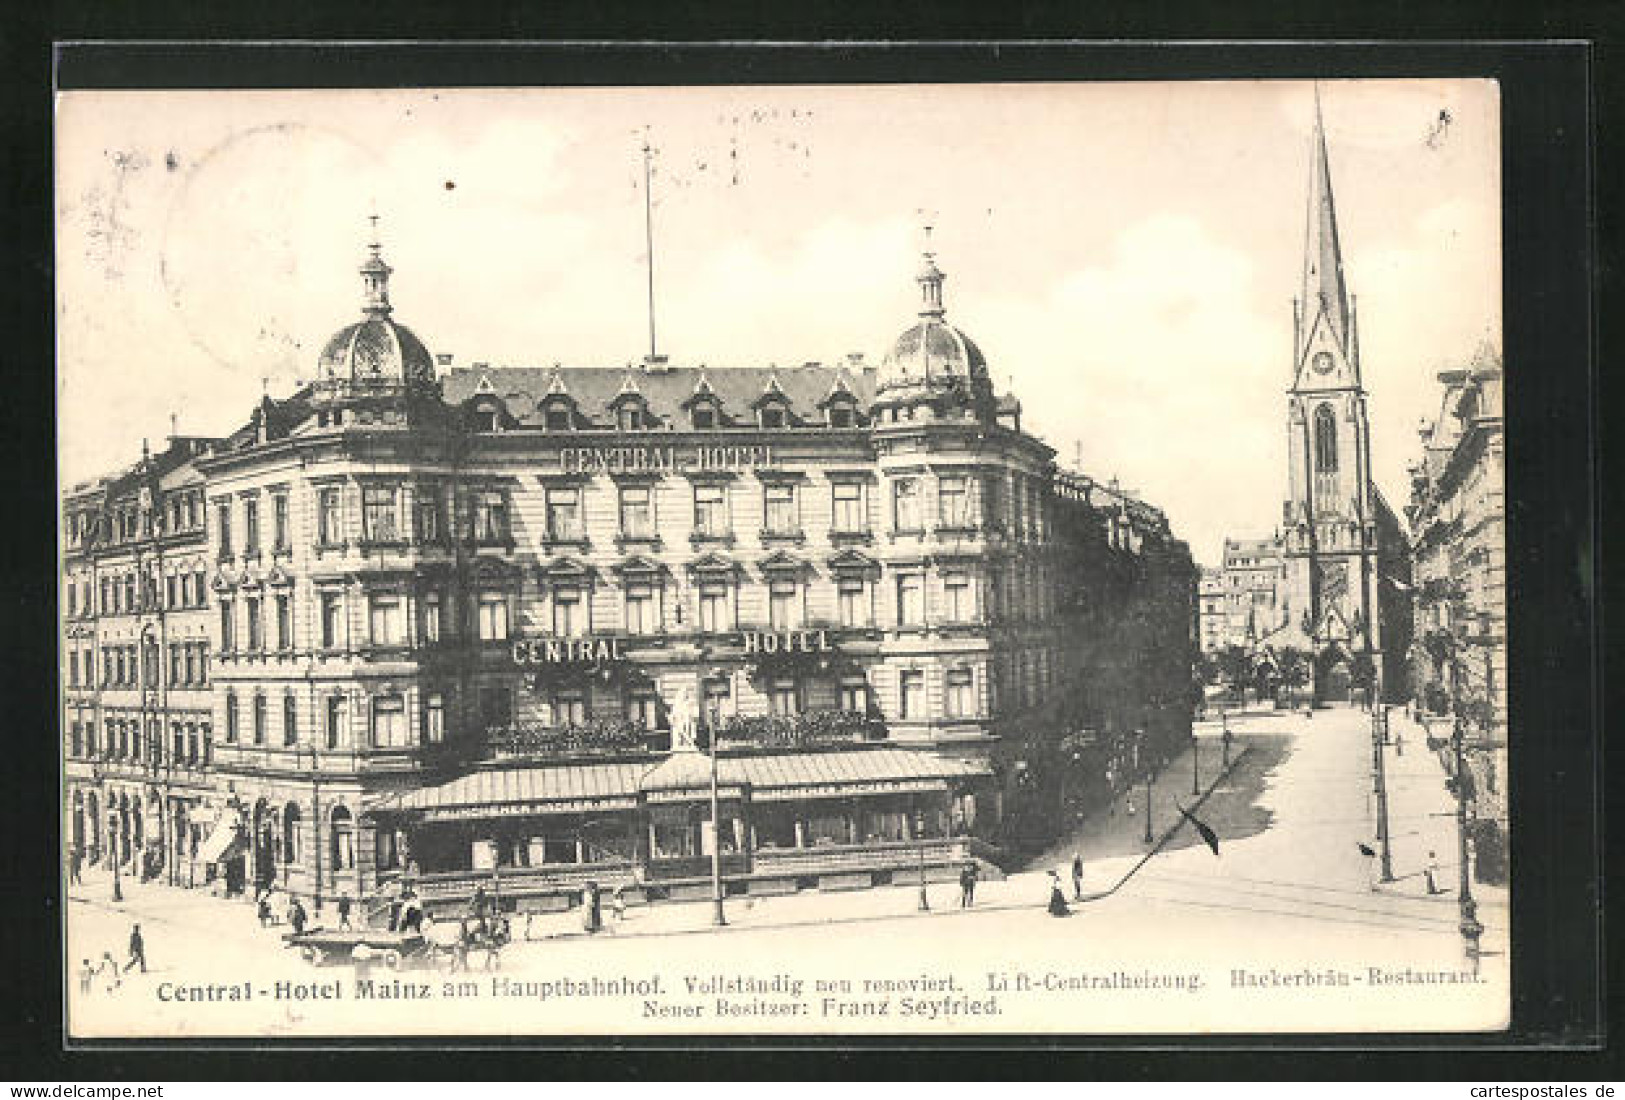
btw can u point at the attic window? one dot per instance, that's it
(771, 416)
(840, 414)
(629, 417)
(558, 418)
(705, 416)
(485, 420)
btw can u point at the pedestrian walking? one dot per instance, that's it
(344, 912)
(138, 950)
(617, 902)
(108, 971)
(967, 886)
(264, 908)
(411, 913)
(1399, 743)
(1431, 874)
(76, 861)
(1077, 876)
(297, 916)
(1057, 897)
(87, 976)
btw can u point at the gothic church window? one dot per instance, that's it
(1325, 440)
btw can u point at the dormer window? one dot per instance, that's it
(558, 418)
(629, 417)
(485, 420)
(841, 415)
(771, 416)
(704, 417)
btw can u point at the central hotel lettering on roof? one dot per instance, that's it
(458, 625)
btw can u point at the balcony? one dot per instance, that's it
(812, 729)
(530, 740)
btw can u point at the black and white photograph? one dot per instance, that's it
(848, 559)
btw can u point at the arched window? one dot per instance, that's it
(343, 830)
(1325, 440)
(290, 833)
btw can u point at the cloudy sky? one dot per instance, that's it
(1126, 255)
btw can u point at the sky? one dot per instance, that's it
(1126, 255)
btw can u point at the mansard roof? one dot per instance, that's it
(595, 390)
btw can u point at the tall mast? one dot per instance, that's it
(649, 240)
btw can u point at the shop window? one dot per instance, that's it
(389, 722)
(828, 826)
(911, 694)
(711, 510)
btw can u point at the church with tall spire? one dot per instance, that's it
(1340, 553)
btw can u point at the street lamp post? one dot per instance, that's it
(1146, 763)
(315, 830)
(919, 835)
(1196, 775)
(1380, 779)
(1470, 927)
(113, 846)
(718, 917)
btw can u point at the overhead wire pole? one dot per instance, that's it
(649, 237)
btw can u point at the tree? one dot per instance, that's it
(1236, 668)
(1363, 675)
(1294, 669)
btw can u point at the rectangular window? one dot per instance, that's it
(570, 709)
(713, 608)
(329, 516)
(564, 513)
(490, 516)
(640, 609)
(711, 510)
(496, 706)
(386, 620)
(961, 698)
(910, 600)
(334, 731)
(568, 615)
(953, 502)
(281, 539)
(848, 516)
(637, 512)
(259, 719)
(251, 526)
(493, 614)
(911, 694)
(231, 719)
(434, 718)
(992, 504)
(223, 527)
(852, 601)
(780, 517)
(428, 514)
(256, 627)
(956, 591)
(783, 699)
(906, 504)
(432, 610)
(332, 620)
(189, 672)
(643, 709)
(284, 622)
(73, 668)
(853, 696)
(378, 512)
(389, 722)
(228, 633)
(171, 593)
(715, 702)
(781, 605)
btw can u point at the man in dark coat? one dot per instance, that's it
(1077, 876)
(297, 917)
(344, 911)
(138, 951)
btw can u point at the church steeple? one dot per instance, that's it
(930, 279)
(1325, 297)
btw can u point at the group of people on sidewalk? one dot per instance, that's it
(106, 974)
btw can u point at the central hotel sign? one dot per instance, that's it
(597, 650)
(704, 458)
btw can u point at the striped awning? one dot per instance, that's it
(775, 777)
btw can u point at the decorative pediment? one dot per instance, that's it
(567, 569)
(713, 565)
(278, 577)
(850, 562)
(639, 567)
(221, 582)
(782, 563)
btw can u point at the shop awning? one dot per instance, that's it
(830, 774)
(223, 840)
(512, 792)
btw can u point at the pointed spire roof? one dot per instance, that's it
(1324, 292)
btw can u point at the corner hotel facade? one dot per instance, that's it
(440, 625)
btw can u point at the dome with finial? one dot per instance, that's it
(933, 357)
(376, 348)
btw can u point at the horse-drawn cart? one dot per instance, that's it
(333, 946)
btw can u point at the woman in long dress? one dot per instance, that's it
(1057, 897)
